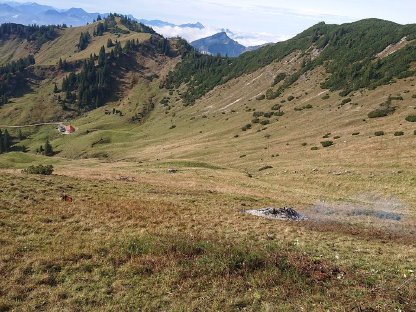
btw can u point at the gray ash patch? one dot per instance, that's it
(284, 213)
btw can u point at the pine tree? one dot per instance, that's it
(6, 142)
(55, 89)
(48, 150)
(101, 57)
(1, 142)
(110, 43)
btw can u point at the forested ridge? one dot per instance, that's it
(347, 51)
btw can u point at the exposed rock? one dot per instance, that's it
(284, 213)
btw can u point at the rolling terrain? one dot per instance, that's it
(319, 123)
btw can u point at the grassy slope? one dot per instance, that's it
(172, 233)
(64, 46)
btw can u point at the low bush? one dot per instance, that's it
(279, 113)
(290, 98)
(380, 112)
(327, 143)
(246, 127)
(260, 97)
(315, 148)
(264, 122)
(255, 120)
(276, 107)
(355, 133)
(279, 77)
(379, 133)
(40, 169)
(398, 133)
(345, 101)
(258, 114)
(411, 118)
(326, 136)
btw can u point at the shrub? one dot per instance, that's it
(279, 77)
(398, 133)
(290, 98)
(355, 133)
(380, 112)
(40, 169)
(279, 113)
(304, 144)
(379, 133)
(414, 132)
(268, 114)
(327, 143)
(411, 118)
(314, 148)
(258, 114)
(337, 137)
(326, 136)
(246, 127)
(325, 97)
(414, 96)
(260, 97)
(264, 122)
(276, 107)
(255, 120)
(345, 101)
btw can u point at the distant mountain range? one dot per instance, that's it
(33, 13)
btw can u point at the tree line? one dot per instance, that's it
(13, 77)
(32, 33)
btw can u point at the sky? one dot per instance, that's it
(251, 21)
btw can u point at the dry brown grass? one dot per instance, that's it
(156, 245)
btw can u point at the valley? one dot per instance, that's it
(162, 170)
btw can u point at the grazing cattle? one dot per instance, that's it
(66, 198)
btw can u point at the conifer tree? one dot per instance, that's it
(1, 142)
(48, 150)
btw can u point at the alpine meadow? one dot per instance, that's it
(139, 172)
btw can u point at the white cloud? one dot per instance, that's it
(188, 33)
(192, 34)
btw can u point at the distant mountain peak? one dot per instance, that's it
(193, 25)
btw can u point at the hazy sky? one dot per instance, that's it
(268, 19)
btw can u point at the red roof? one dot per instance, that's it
(69, 129)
